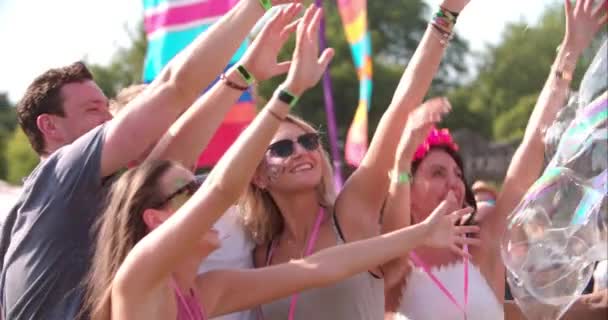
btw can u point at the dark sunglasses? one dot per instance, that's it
(285, 148)
(189, 189)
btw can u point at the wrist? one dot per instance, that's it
(234, 76)
(255, 7)
(293, 88)
(453, 8)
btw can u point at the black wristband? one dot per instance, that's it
(289, 98)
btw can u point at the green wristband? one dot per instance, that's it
(266, 4)
(289, 98)
(245, 74)
(401, 177)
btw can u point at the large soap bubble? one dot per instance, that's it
(552, 240)
(560, 228)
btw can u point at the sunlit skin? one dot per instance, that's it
(437, 174)
(173, 180)
(85, 107)
(299, 172)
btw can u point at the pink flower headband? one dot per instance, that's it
(437, 137)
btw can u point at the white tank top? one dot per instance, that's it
(422, 299)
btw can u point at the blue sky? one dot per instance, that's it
(34, 39)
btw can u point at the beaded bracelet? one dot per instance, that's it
(444, 19)
(443, 36)
(231, 84)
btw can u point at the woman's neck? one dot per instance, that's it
(299, 212)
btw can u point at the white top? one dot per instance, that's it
(600, 275)
(236, 252)
(423, 300)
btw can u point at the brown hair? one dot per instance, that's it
(261, 216)
(119, 228)
(43, 96)
(469, 196)
(125, 96)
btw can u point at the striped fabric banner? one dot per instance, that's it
(170, 26)
(354, 19)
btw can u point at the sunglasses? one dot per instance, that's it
(188, 189)
(286, 147)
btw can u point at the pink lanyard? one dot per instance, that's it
(419, 263)
(309, 247)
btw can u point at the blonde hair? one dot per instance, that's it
(260, 214)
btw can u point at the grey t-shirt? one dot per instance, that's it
(46, 240)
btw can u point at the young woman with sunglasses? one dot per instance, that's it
(293, 188)
(156, 228)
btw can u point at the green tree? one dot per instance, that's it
(8, 121)
(20, 156)
(395, 35)
(499, 101)
(126, 66)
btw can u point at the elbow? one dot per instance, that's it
(174, 81)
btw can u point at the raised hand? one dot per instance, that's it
(582, 23)
(420, 122)
(306, 65)
(455, 5)
(261, 57)
(442, 231)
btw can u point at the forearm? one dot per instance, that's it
(397, 207)
(197, 65)
(361, 255)
(191, 133)
(320, 269)
(412, 88)
(528, 161)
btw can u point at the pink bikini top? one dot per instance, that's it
(188, 305)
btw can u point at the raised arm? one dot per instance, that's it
(179, 236)
(396, 211)
(191, 133)
(366, 188)
(226, 291)
(582, 23)
(177, 86)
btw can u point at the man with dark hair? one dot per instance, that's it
(46, 241)
(53, 100)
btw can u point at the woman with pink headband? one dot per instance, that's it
(434, 283)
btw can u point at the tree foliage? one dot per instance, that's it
(499, 101)
(395, 35)
(126, 66)
(20, 156)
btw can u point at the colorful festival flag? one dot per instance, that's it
(170, 26)
(354, 19)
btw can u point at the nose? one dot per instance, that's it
(298, 150)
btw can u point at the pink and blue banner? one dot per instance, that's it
(354, 19)
(170, 26)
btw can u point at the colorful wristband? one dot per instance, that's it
(401, 177)
(245, 74)
(289, 98)
(266, 4)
